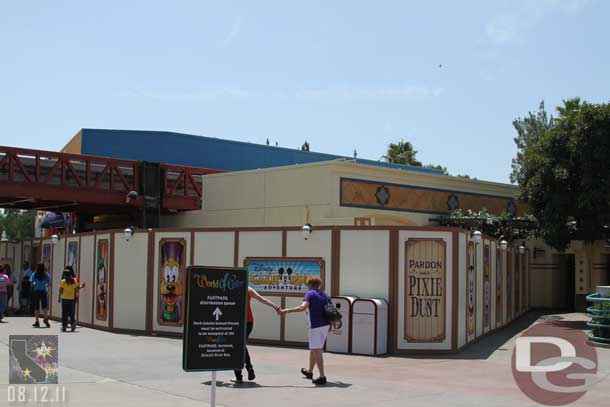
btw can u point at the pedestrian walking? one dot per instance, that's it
(40, 282)
(23, 288)
(68, 292)
(5, 283)
(252, 293)
(314, 303)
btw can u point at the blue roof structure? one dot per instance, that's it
(208, 152)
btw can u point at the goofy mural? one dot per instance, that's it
(171, 277)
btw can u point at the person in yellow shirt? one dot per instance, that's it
(68, 294)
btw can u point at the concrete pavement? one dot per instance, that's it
(104, 369)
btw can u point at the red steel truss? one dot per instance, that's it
(46, 180)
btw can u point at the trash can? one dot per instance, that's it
(339, 339)
(370, 326)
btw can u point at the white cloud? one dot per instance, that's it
(510, 27)
(233, 33)
(370, 92)
(208, 95)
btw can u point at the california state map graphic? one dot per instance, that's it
(33, 359)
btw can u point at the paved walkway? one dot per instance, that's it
(111, 370)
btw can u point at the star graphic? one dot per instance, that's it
(27, 372)
(43, 351)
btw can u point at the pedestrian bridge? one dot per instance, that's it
(45, 180)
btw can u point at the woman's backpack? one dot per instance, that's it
(331, 313)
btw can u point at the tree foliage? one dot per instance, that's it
(437, 167)
(18, 225)
(563, 170)
(402, 153)
(504, 226)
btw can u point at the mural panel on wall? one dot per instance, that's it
(517, 272)
(172, 253)
(499, 287)
(73, 256)
(523, 281)
(509, 286)
(102, 276)
(486, 286)
(471, 286)
(283, 275)
(425, 299)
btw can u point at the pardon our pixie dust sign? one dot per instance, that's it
(215, 319)
(425, 301)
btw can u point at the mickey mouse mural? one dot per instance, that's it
(171, 281)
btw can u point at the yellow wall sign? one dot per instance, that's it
(425, 293)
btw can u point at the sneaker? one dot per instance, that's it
(46, 323)
(73, 328)
(239, 378)
(251, 375)
(36, 324)
(319, 381)
(307, 374)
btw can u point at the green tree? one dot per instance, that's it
(18, 225)
(563, 171)
(437, 167)
(529, 129)
(402, 153)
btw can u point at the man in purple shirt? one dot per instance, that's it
(314, 303)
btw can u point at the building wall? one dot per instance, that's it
(357, 261)
(318, 194)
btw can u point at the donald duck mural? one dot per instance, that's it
(171, 276)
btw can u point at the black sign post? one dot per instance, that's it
(215, 324)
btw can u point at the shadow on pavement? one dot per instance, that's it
(254, 385)
(484, 347)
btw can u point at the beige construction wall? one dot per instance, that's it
(362, 262)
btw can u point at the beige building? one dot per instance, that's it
(338, 192)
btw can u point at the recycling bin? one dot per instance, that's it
(338, 340)
(370, 326)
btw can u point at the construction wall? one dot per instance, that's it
(443, 290)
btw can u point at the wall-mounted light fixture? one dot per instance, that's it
(306, 230)
(477, 236)
(503, 245)
(4, 238)
(128, 233)
(55, 239)
(522, 248)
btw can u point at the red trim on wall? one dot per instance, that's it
(150, 281)
(392, 292)
(455, 292)
(111, 283)
(236, 249)
(192, 253)
(335, 263)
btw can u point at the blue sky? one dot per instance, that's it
(343, 75)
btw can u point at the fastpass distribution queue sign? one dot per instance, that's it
(214, 328)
